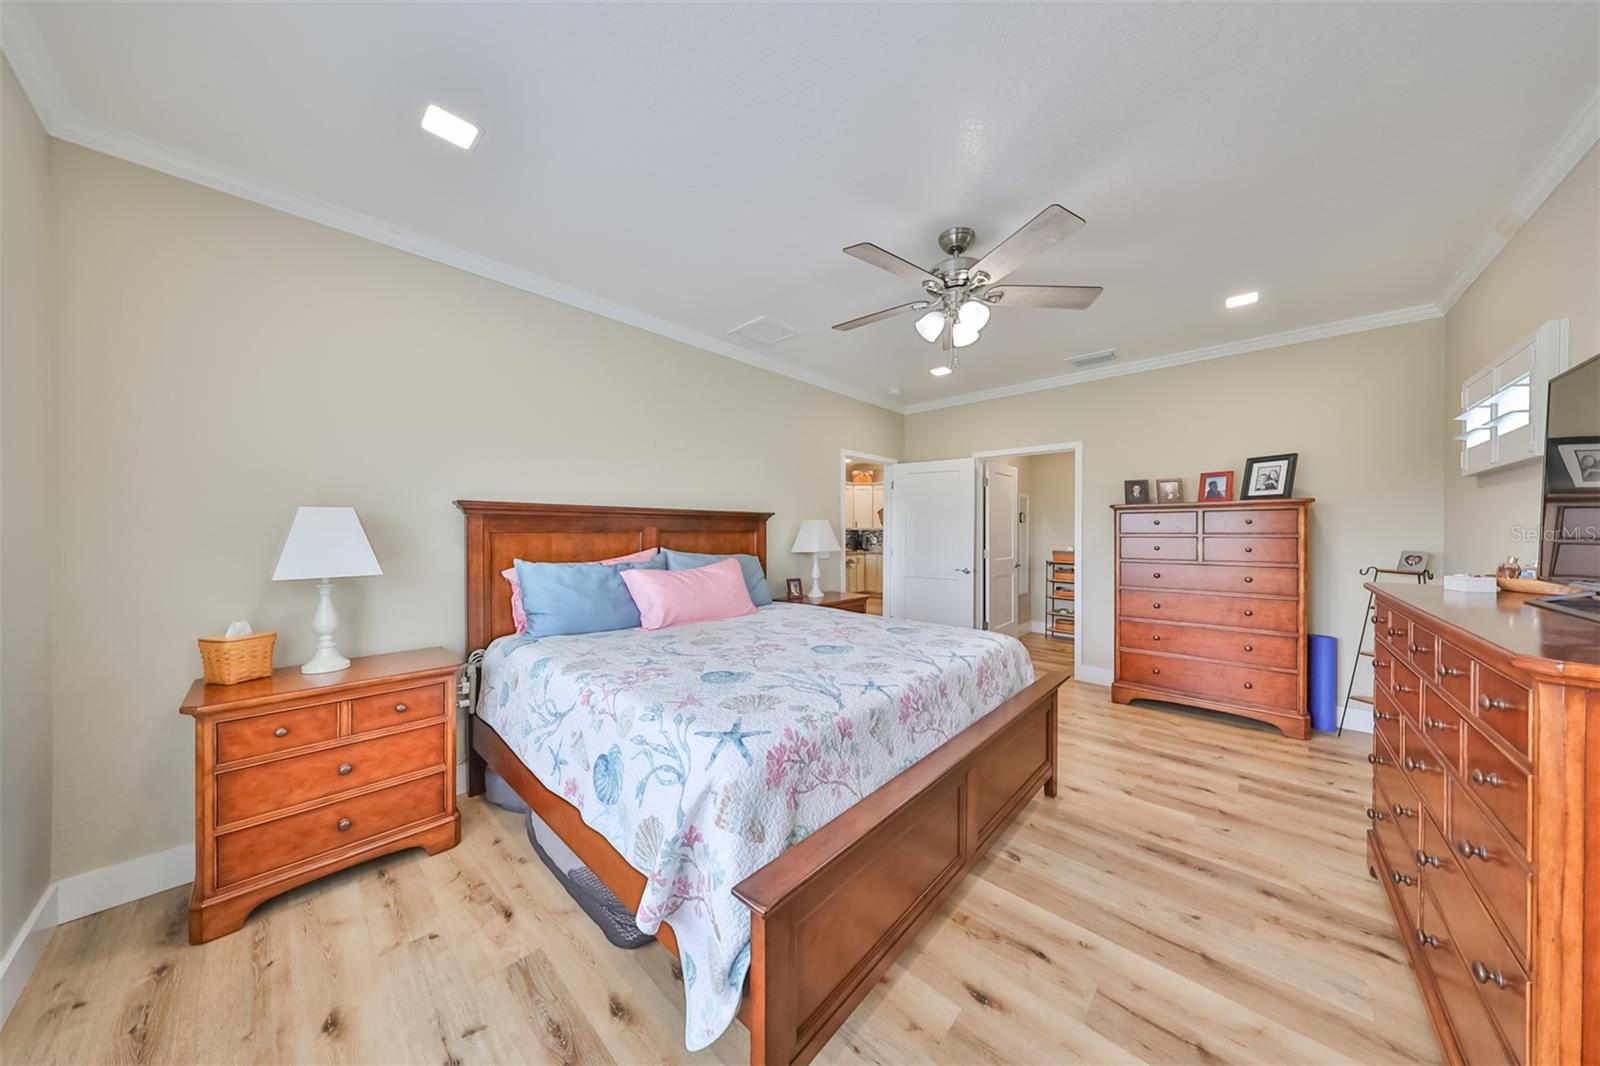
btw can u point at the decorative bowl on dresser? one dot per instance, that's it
(1211, 607)
(1486, 778)
(298, 775)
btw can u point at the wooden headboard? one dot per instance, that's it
(498, 533)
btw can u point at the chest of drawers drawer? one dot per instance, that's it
(1493, 865)
(1239, 612)
(1200, 577)
(271, 734)
(1256, 520)
(1406, 689)
(1470, 1025)
(1502, 706)
(1251, 550)
(389, 709)
(1499, 783)
(272, 786)
(1157, 522)
(1219, 681)
(1177, 548)
(1241, 649)
(1452, 672)
(1424, 769)
(1386, 716)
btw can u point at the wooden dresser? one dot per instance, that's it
(299, 775)
(1211, 607)
(1486, 777)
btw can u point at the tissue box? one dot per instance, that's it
(1471, 583)
(230, 660)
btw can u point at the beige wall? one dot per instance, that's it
(1354, 407)
(227, 363)
(1549, 270)
(1049, 482)
(25, 609)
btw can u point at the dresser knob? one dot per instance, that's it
(1380, 664)
(344, 823)
(1155, 636)
(1248, 580)
(1157, 606)
(401, 708)
(1155, 547)
(1434, 723)
(1491, 779)
(1384, 717)
(1158, 521)
(1248, 549)
(1248, 613)
(1156, 575)
(1449, 671)
(1489, 703)
(1249, 647)
(1487, 976)
(1420, 649)
(1249, 521)
(1377, 760)
(1427, 940)
(1414, 764)
(281, 731)
(345, 768)
(1155, 669)
(1402, 812)
(1469, 850)
(1375, 815)
(1424, 859)
(1248, 684)
(1398, 687)
(1403, 879)
(1393, 632)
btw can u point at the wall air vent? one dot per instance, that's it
(1094, 358)
(766, 330)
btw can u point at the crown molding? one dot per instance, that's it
(1568, 151)
(1381, 320)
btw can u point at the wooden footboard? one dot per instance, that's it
(833, 912)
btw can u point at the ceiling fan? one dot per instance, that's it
(961, 290)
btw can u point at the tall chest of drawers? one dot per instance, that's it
(1211, 607)
(1485, 813)
(299, 775)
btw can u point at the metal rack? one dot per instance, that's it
(1374, 572)
(1061, 595)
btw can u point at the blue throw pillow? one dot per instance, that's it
(563, 598)
(754, 580)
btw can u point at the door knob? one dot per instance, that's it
(963, 569)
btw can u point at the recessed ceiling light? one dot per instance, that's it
(1244, 299)
(441, 123)
(939, 371)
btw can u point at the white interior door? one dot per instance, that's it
(930, 529)
(1001, 560)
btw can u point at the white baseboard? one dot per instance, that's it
(24, 950)
(111, 886)
(1359, 718)
(1094, 675)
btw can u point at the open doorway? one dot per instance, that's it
(861, 518)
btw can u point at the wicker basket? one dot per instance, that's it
(229, 660)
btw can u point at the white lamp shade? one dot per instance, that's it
(326, 542)
(815, 535)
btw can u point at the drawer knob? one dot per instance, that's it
(1434, 723)
(1249, 521)
(281, 731)
(1384, 716)
(344, 823)
(1375, 815)
(1158, 521)
(345, 768)
(1377, 760)
(1393, 632)
(1414, 764)
(1248, 580)
(1248, 613)
(1156, 606)
(1424, 859)
(1427, 940)
(1420, 649)
(1487, 976)
(1398, 687)
(1155, 547)
(1155, 636)
(1248, 549)
(1402, 879)
(1155, 669)
(1490, 779)
(1380, 664)
(1402, 812)
(1469, 850)
(1249, 647)
(1490, 703)
(1248, 684)
(401, 708)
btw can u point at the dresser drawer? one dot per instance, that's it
(302, 778)
(1233, 684)
(1442, 725)
(1200, 577)
(1252, 550)
(273, 845)
(1502, 705)
(1499, 783)
(1398, 849)
(389, 709)
(1492, 864)
(1283, 520)
(1388, 776)
(1179, 548)
(1424, 769)
(1453, 673)
(1242, 612)
(1406, 688)
(1240, 649)
(1405, 810)
(1469, 1022)
(1386, 718)
(1156, 522)
(267, 734)
(1395, 631)
(1422, 648)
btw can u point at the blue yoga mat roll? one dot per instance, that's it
(1324, 671)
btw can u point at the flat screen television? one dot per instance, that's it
(1569, 540)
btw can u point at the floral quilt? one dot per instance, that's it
(703, 751)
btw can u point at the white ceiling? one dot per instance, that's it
(689, 167)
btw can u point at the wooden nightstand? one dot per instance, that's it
(839, 601)
(299, 775)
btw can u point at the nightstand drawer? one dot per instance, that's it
(268, 734)
(287, 782)
(389, 709)
(251, 852)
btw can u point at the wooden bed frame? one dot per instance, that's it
(829, 915)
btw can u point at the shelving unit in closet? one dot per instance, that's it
(1061, 595)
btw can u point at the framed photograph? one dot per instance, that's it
(1412, 562)
(1169, 490)
(797, 590)
(1217, 485)
(1573, 464)
(1269, 477)
(1136, 491)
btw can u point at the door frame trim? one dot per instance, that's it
(1076, 448)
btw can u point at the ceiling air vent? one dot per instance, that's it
(1094, 358)
(766, 330)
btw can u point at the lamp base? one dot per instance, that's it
(815, 593)
(325, 623)
(325, 661)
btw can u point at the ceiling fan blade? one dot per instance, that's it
(871, 253)
(879, 316)
(1046, 229)
(1070, 297)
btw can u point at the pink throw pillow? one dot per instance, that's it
(677, 597)
(519, 615)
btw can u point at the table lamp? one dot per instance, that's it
(325, 543)
(815, 536)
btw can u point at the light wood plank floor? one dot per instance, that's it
(1197, 893)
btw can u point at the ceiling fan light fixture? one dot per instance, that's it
(962, 335)
(974, 314)
(931, 325)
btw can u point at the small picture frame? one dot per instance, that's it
(1412, 562)
(1169, 490)
(1217, 486)
(796, 590)
(1269, 477)
(1136, 491)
